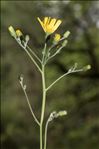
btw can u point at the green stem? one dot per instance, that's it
(57, 52)
(33, 53)
(78, 70)
(31, 110)
(33, 60)
(41, 137)
(44, 53)
(29, 56)
(43, 105)
(45, 136)
(44, 93)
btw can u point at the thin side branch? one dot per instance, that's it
(33, 53)
(29, 56)
(69, 72)
(57, 52)
(31, 110)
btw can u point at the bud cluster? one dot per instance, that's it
(55, 114)
(58, 43)
(18, 35)
(21, 82)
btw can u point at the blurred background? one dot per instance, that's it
(77, 93)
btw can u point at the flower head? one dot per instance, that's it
(57, 37)
(18, 33)
(49, 25)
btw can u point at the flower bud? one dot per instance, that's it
(20, 79)
(88, 67)
(62, 113)
(64, 43)
(12, 31)
(19, 33)
(57, 38)
(24, 87)
(27, 38)
(66, 34)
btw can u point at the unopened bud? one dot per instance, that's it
(20, 79)
(88, 67)
(62, 113)
(66, 34)
(64, 43)
(24, 87)
(12, 31)
(27, 38)
(52, 116)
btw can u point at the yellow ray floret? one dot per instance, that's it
(49, 25)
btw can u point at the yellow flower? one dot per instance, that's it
(49, 25)
(18, 33)
(57, 37)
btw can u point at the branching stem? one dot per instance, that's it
(46, 55)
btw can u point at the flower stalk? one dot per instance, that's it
(49, 26)
(43, 105)
(27, 99)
